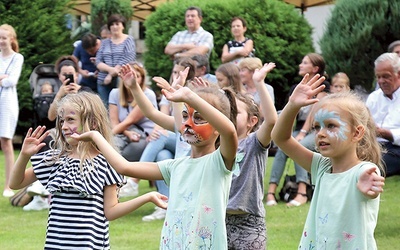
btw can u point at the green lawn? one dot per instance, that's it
(26, 230)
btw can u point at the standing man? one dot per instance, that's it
(194, 40)
(384, 104)
(86, 54)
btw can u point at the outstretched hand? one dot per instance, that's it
(86, 136)
(33, 141)
(260, 74)
(127, 74)
(303, 94)
(158, 199)
(200, 82)
(370, 183)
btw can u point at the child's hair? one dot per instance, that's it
(341, 75)
(231, 71)
(66, 61)
(13, 36)
(124, 92)
(252, 108)
(93, 116)
(187, 62)
(368, 148)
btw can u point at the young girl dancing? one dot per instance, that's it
(346, 171)
(245, 220)
(199, 184)
(82, 183)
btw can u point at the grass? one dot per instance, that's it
(26, 230)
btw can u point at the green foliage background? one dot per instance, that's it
(42, 36)
(280, 35)
(102, 9)
(356, 34)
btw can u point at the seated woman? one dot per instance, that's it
(241, 46)
(129, 125)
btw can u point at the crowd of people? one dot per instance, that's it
(205, 143)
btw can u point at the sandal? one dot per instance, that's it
(294, 203)
(273, 202)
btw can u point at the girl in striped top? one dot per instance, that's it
(82, 183)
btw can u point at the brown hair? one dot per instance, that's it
(231, 71)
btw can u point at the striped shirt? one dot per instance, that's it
(199, 37)
(115, 54)
(76, 217)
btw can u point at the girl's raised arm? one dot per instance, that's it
(160, 118)
(282, 131)
(225, 128)
(143, 170)
(266, 104)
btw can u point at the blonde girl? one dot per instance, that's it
(199, 184)
(346, 171)
(82, 183)
(10, 70)
(340, 82)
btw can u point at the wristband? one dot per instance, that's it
(303, 131)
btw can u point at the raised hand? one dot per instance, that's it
(370, 183)
(260, 74)
(33, 141)
(200, 82)
(127, 74)
(180, 80)
(305, 91)
(161, 82)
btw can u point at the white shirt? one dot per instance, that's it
(386, 112)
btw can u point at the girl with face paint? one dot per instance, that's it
(81, 182)
(199, 183)
(346, 171)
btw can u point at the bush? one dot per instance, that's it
(42, 35)
(356, 34)
(280, 35)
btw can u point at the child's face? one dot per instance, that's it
(339, 85)
(242, 119)
(332, 130)
(70, 123)
(194, 128)
(222, 79)
(47, 89)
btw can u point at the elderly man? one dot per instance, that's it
(384, 104)
(194, 40)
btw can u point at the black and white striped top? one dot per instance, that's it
(76, 217)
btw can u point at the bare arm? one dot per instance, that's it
(171, 49)
(33, 142)
(133, 117)
(143, 170)
(225, 128)
(114, 209)
(245, 51)
(267, 105)
(282, 131)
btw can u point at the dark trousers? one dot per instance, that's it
(391, 158)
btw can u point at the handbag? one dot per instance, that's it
(289, 189)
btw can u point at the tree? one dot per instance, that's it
(356, 34)
(102, 9)
(280, 35)
(42, 35)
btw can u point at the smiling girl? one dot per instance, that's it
(346, 171)
(82, 183)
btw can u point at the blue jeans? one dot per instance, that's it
(161, 149)
(104, 90)
(278, 166)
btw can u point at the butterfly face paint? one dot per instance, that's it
(194, 128)
(335, 127)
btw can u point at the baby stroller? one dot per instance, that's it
(43, 74)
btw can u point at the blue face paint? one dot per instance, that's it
(323, 115)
